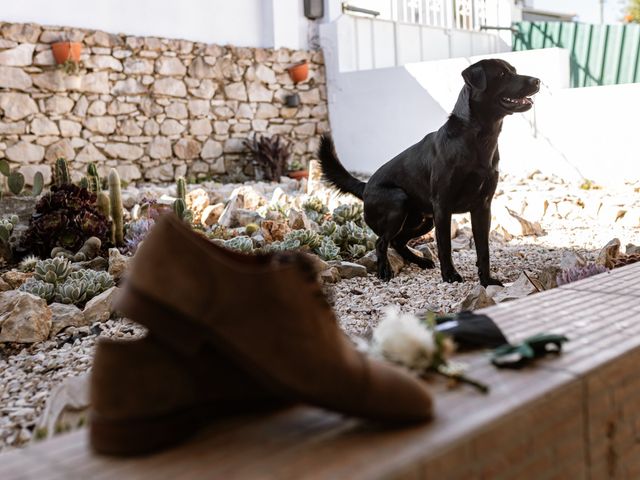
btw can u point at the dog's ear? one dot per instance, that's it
(475, 77)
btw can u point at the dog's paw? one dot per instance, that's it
(491, 281)
(384, 272)
(452, 277)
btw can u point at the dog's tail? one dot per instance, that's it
(334, 173)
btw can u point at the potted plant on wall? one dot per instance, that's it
(297, 171)
(67, 54)
(298, 73)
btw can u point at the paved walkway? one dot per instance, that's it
(572, 417)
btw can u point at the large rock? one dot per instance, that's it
(199, 108)
(15, 278)
(25, 152)
(160, 147)
(228, 216)
(187, 149)
(162, 172)
(16, 106)
(124, 151)
(118, 264)
(97, 82)
(259, 93)
(170, 87)
(522, 287)
(60, 149)
(100, 307)
(350, 270)
(102, 125)
(20, 56)
(370, 261)
(609, 253)
(42, 126)
(170, 66)
(29, 172)
(90, 154)
(14, 78)
(130, 86)
(24, 318)
(211, 149)
(67, 407)
(211, 214)
(103, 62)
(250, 197)
(63, 316)
(236, 91)
(476, 299)
(138, 66)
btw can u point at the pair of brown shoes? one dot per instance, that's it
(230, 333)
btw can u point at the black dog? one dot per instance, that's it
(453, 170)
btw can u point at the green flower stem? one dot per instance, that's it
(459, 377)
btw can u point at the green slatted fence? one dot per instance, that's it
(600, 54)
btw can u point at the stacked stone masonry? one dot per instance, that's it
(153, 108)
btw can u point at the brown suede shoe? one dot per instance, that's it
(145, 397)
(266, 313)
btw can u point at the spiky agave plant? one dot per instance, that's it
(271, 155)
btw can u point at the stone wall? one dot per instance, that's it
(153, 108)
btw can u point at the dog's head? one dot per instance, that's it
(496, 84)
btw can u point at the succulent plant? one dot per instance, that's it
(579, 273)
(349, 213)
(242, 244)
(136, 233)
(328, 228)
(306, 238)
(181, 210)
(94, 181)
(328, 250)
(65, 217)
(117, 216)
(28, 263)
(181, 188)
(96, 282)
(73, 292)
(315, 209)
(16, 180)
(52, 270)
(271, 155)
(357, 250)
(39, 288)
(38, 184)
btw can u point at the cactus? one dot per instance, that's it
(16, 182)
(5, 169)
(241, 244)
(62, 172)
(52, 270)
(28, 263)
(39, 288)
(181, 210)
(38, 184)
(6, 227)
(84, 183)
(89, 250)
(181, 188)
(328, 250)
(251, 228)
(103, 202)
(115, 195)
(93, 181)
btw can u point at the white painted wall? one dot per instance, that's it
(574, 133)
(250, 23)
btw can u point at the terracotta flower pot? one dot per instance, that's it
(299, 72)
(298, 174)
(64, 51)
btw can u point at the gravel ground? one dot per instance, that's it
(574, 221)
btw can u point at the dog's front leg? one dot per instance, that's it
(481, 224)
(443, 237)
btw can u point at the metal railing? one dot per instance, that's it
(458, 14)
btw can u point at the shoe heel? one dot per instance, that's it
(127, 437)
(161, 320)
